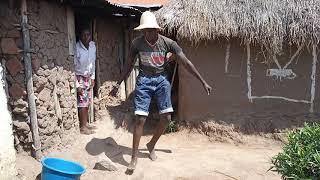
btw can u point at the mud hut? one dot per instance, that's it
(37, 41)
(260, 57)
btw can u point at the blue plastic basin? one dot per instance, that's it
(60, 169)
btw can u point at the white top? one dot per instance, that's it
(85, 60)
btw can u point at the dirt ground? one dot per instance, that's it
(181, 156)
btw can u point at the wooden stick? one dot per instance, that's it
(51, 31)
(71, 31)
(216, 171)
(126, 55)
(249, 72)
(91, 113)
(56, 101)
(28, 71)
(4, 77)
(313, 76)
(100, 99)
(174, 74)
(16, 25)
(98, 79)
(91, 108)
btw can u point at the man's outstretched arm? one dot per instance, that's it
(128, 66)
(183, 60)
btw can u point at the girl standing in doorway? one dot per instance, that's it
(84, 62)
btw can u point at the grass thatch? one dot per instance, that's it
(270, 22)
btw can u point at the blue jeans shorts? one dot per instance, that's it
(152, 86)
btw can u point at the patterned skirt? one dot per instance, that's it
(85, 97)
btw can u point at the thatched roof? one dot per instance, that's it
(141, 3)
(270, 22)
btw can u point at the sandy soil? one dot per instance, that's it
(181, 156)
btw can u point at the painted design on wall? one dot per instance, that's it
(281, 73)
(284, 73)
(226, 68)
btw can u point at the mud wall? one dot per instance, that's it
(7, 34)
(229, 103)
(113, 43)
(7, 151)
(53, 73)
(11, 42)
(109, 56)
(53, 79)
(114, 35)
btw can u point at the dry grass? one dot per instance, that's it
(267, 22)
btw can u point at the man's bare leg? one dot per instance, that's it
(161, 127)
(138, 130)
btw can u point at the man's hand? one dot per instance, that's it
(92, 83)
(80, 91)
(207, 88)
(114, 90)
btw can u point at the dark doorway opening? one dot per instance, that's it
(83, 19)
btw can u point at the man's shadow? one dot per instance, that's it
(114, 151)
(111, 149)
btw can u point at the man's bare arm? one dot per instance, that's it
(128, 66)
(183, 60)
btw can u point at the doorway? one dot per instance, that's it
(86, 20)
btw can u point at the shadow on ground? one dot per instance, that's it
(123, 116)
(114, 151)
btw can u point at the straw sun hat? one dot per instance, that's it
(148, 21)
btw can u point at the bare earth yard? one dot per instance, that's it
(181, 156)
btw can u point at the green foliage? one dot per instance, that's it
(172, 127)
(300, 158)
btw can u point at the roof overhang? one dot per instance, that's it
(104, 6)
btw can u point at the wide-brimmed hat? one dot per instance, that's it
(148, 21)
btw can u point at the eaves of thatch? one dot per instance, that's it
(270, 22)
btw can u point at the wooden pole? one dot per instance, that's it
(174, 73)
(72, 51)
(121, 51)
(28, 72)
(126, 54)
(56, 100)
(91, 111)
(97, 79)
(4, 77)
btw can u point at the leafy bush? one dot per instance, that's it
(300, 158)
(172, 127)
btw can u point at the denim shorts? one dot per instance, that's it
(152, 86)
